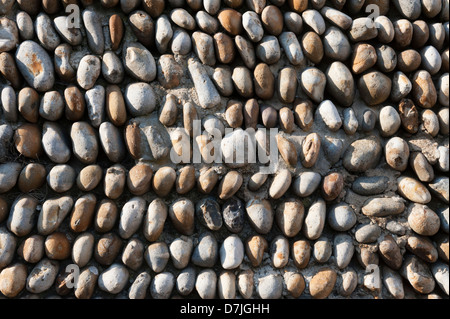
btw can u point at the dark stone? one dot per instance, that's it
(233, 214)
(208, 213)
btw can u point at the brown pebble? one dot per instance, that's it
(185, 180)
(403, 32)
(163, 181)
(106, 216)
(154, 7)
(234, 114)
(287, 150)
(169, 71)
(263, 81)
(422, 247)
(27, 139)
(224, 48)
(390, 252)
(181, 213)
(295, 285)
(298, 5)
(51, 6)
(75, 104)
(421, 34)
(408, 60)
(332, 186)
(231, 21)
(272, 20)
(83, 213)
(368, 256)
(3, 209)
(57, 246)
(115, 105)
(287, 85)
(114, 181)
(31, 177)
(289, 216)
(32, 249)
(13, 280)
(143, 27)
(423, 90)
(32, 7)
(115, 31)
(304, 114)
(255, 246)
(301, 253)
(374, 87)
(207, 180)
(310, 150)
(138, 179)
(229, 185)
(286, 120)
(251, 113)
(421, 167)
(89, 177)
(312, 47)
(364, 57)
(409, 116)
(133, 140)
(9, 70)
(269, 116)
(107, 249)
(322, 283)
(189, 115)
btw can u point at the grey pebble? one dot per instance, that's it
(43, 275)
(180, 251)
(157, 255)
(367, 233)
(55, 143)
(25, 25)
(268, 50)
(30, 54)
(9, 173)
(138, 289)
(206, 91)
(373, 185)
(162, 285)
(52, 106)
(88, 71)
(270, 287)
(95, 104)
(112, 68)
(94, 30)
(73, 36)
(206, 251)
(341, 217)
(112, 142)
(343, 250)
(61, 178)
(322, 250)
(185, 282)
(181, 42)
(139, 98)
(113, 279)
(163, 33)
(139, 62)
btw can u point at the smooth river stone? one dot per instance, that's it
(35, 65)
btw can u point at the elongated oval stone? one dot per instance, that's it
(35, 65)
